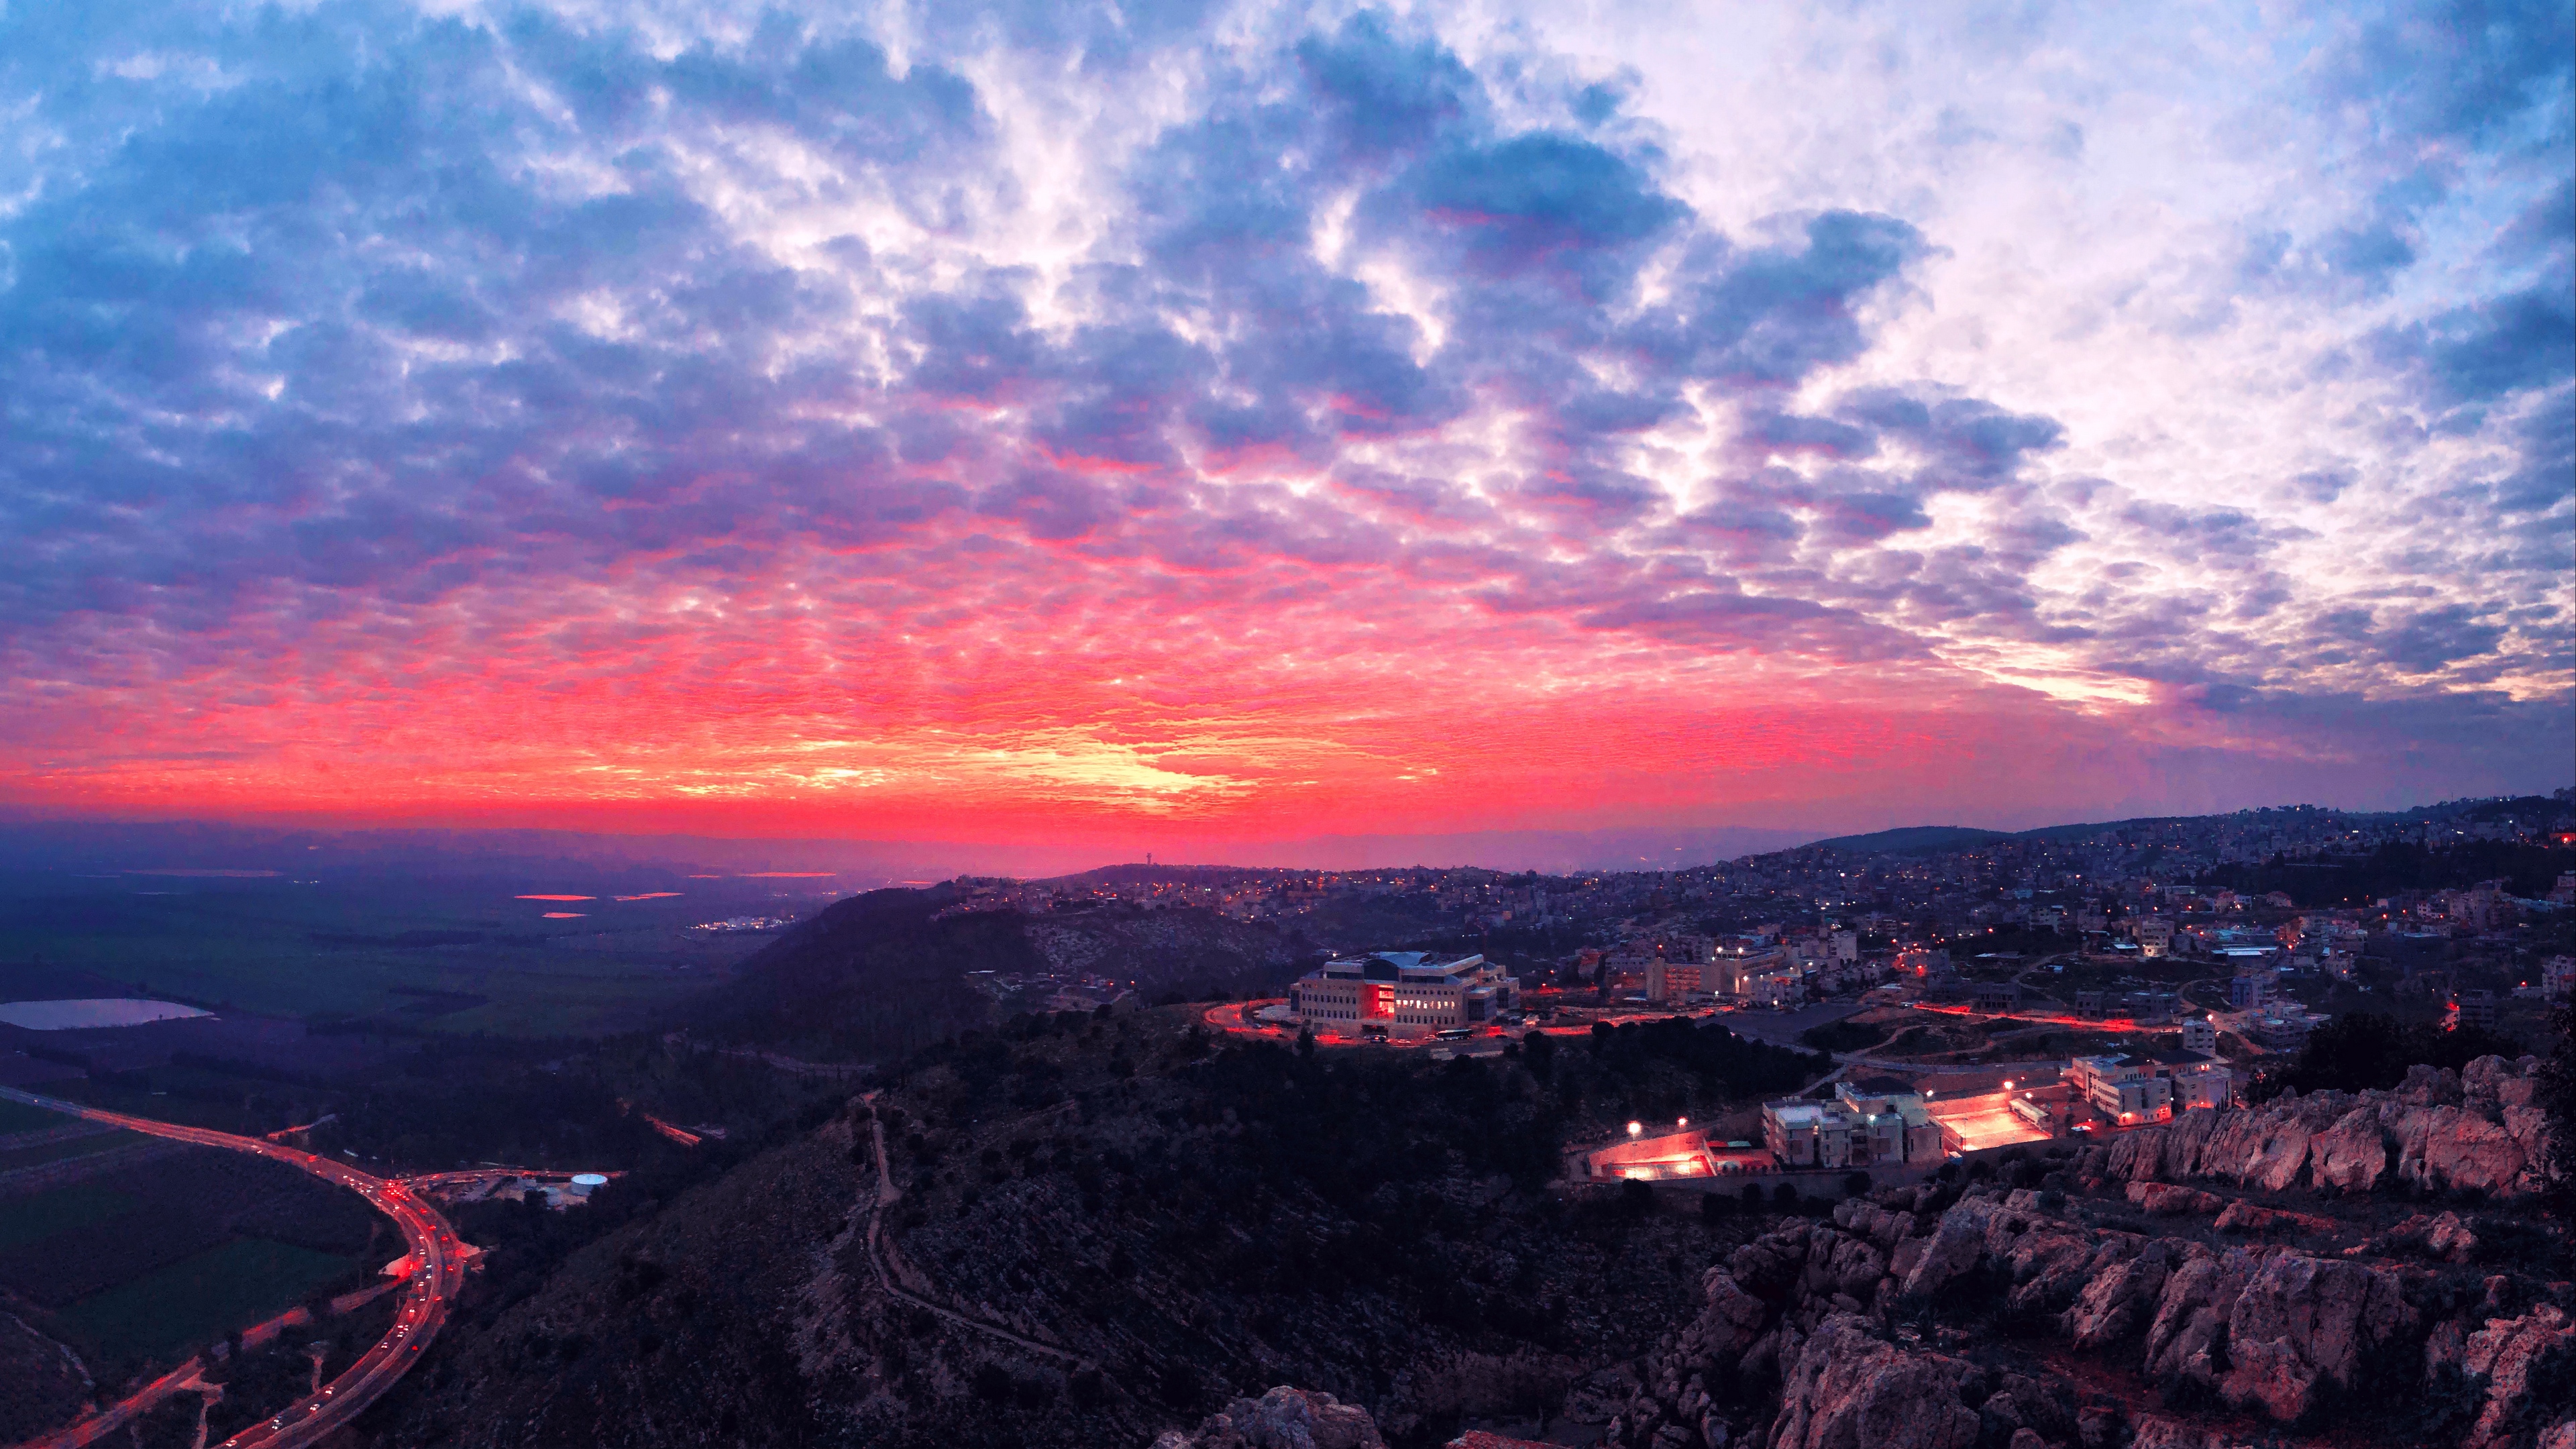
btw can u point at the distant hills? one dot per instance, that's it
(1929, 839)
(1910, 840)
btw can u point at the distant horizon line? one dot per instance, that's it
(1620, 848)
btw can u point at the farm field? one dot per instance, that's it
(129, 1263)
(76, 1147)
(192, 1302)
(16, 1117)
(458, 957)
(34, 1218)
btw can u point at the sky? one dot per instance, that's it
(1198, 427)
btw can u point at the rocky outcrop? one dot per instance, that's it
(2444, 1237)
(2505, 1355)
(2438, 1131)
(2120, 1300)
(1848, 1386)
(2352, 1154)
(2265, 1330)
(2246, 1217)
(2166, 1200)
(1283, 1418)
(2305, 1323)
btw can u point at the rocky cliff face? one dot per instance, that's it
(1284, 1418)
(2475, 1129)
(1821, 1335)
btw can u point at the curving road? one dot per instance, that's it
(438, 1269)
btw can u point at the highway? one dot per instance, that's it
(438, 1261)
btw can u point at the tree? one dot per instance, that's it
(1540, 1050)
(2362, 1050)
(2556, 1098)
(1785, 1194)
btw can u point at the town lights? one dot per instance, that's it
(1634, 1128)
(1681, 1121)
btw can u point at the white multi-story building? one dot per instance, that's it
(1404, 993)
(1783, 988)
(1889, 1121)
(2558, 978)
(2199, 1036)
(1801, 1133)
(2125, 1089)
(2203, 1084)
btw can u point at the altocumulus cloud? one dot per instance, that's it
(1016, 409)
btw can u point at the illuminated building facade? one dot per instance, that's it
(1404, 992)
(2125, 1089)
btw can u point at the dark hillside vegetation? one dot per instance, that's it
(2397, 866)
(880, 975)
(1189, 1218)
(2361, 1050)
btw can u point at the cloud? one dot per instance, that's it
(450, 411)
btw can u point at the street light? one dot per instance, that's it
(1634, 1128)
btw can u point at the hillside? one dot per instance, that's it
(1910, 840)
(881, 974)
(1169, 1220)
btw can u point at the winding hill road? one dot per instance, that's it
(438, 1269)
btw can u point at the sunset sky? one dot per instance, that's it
(1181, 426)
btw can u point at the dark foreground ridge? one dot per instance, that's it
(1102, 1230)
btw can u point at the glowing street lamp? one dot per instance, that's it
(1634, 1128)
(1681, 1121)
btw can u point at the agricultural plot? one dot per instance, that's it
(460, 957)
(17, 1117)
(186, 1305)
(34, 1218)
(40, 1386)
(220, 1240)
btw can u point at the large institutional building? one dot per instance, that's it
(1404, 993)
(1882, 1120)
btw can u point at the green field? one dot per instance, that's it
(444, 957)
(39, 1216)
(77, 1147)
(193, 1302)
(17, 1117)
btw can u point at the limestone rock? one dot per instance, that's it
(1956, 1247)
(2192, 1313)
(2167, 1200)
(1284, 1418)
(2429, 1087)
(1732, 1320)
(2449, 1238)
(1849, 1387)
(2119, 1300)
(2154, 1431)
(2300, 1322)
(2439, 1130)
(2246, 1217)
(2505, 1352)
(2352, 1154)
(2463, 1150)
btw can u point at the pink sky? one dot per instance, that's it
(1282, 424)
